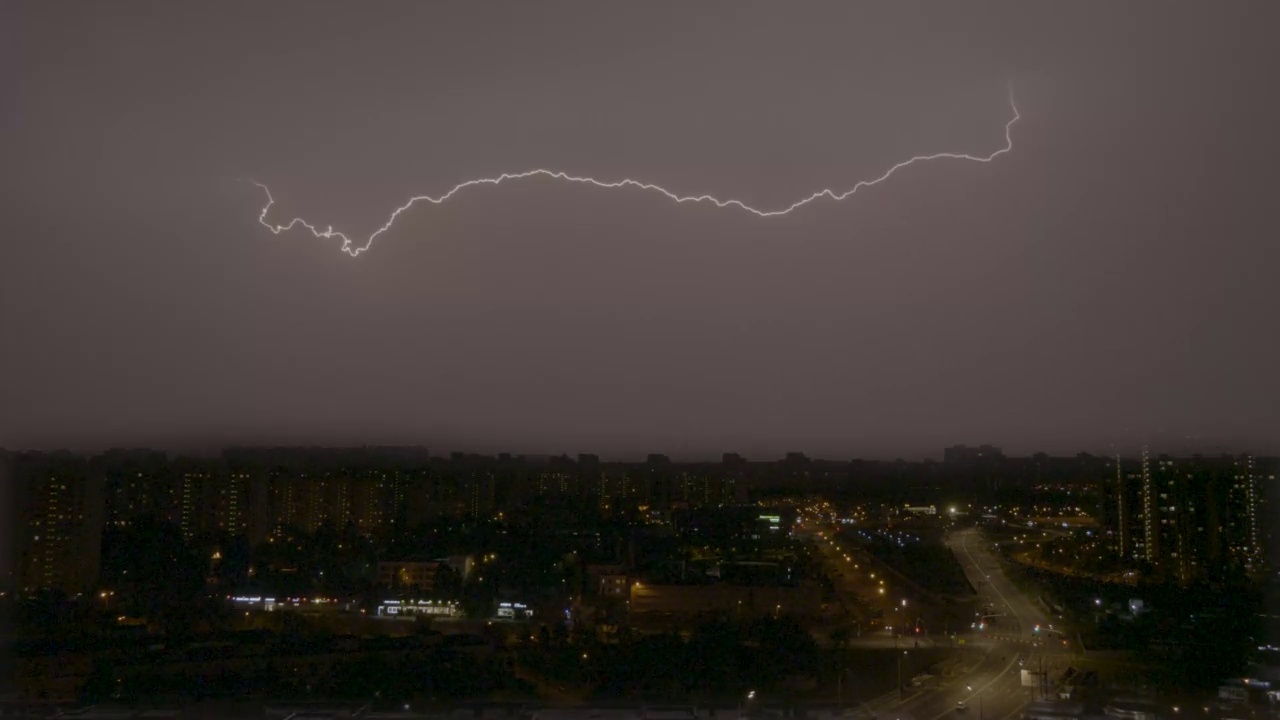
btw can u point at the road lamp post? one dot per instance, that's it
(970, 689)
(901, 688)
(750, 696)
(902, 619)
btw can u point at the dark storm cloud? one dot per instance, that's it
(1111, 277)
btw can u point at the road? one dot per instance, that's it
(866, 592)
(885, 640)
(992, 690)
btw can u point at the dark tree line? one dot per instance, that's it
(151, 571)
(719, 658)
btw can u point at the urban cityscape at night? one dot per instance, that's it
(382, 578)
(572, 360)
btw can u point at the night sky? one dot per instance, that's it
(1111, 278)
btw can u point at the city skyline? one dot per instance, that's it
(681, 452)
(1185, 518)
(650, 360)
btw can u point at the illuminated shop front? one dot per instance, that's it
(410, 608)
(304, 604)
(514, 611)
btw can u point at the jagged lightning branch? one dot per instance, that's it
(347, 245)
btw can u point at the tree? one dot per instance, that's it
(155, 571)
(448, 583)
(784, 646)
(840, 637)
(232, 568)
(713, 655)
(44, 614)
(652, 664)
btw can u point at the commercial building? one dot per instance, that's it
(412, 608)
(685, 602)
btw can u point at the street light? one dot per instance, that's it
(970, 689)
(902, 622)
(900, 688)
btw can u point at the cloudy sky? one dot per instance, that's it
(1114, 276)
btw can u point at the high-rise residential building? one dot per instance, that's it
(706, 487)
(510, 484)
(1244, 542)
(1120, 508)
(1135, 545)
(232, 497)
(377, 499)
(136, 484)
(1269, 517)
(632, 487)
(658, 479)
(200, 493)
(370, 499)
(589, 481)
(60, 516)
(288, 500)
(476, 488)
(203, 497)
(463, 486)
(329, 500)
(242, 500)
(426, 496)
(619, 488)
(554, 482)
(1155, 494)
(735, 469)
(1200, 517)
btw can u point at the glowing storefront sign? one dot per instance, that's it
(513, 610)
(443, 608)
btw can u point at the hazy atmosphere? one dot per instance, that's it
(1110, 278)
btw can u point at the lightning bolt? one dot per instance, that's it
(349, 247)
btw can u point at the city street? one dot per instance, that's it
(993, 689)
(884, 640)
(865, 592)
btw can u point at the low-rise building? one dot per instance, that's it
(416, 574)
(676, 602)
(613, 586)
